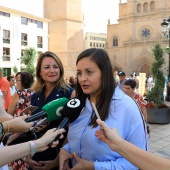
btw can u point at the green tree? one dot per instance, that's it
(3, 73)
(155, 95)
(15, 69)
(28, 59)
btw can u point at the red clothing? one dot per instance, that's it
(24, 101)
(139, 100)
(5, 87)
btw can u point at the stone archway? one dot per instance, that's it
(145, 69)
(142, 65)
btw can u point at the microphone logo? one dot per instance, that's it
(58, 111)
(73, 103)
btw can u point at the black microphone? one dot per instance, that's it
(71, 112)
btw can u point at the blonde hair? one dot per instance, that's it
(39, 83)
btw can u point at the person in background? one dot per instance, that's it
(11, 80)
(136, 78)
(140, 158)
(49, 85)
(72, 82)
(150, 82)
(116, 77)
(22, 97)
(20, 100)
(5, 88)
(129, 88)
(122, 79)
(114, 107)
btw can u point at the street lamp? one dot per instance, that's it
(166, 30)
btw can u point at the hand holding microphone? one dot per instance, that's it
(51, 111)
(61, 108)
(71, 112)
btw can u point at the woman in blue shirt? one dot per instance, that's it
(49, 85)
(95, 83)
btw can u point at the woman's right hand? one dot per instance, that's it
(64, 157)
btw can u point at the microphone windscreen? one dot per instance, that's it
(73, 108)
(53, 109)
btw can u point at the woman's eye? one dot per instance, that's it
(78, 73)
(89, 72)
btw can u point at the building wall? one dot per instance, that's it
(137, 32)
(66, 37)
(13, 24)
(95, 40)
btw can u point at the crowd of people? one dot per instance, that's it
(87, 143)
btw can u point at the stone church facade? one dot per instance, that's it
(130, 42)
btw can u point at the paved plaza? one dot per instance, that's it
(160, 139)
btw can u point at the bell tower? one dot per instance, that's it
(65, 30)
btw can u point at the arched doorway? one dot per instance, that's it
(142, 65)
(145, 69)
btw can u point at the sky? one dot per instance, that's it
(96, 12)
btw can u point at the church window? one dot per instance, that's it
(115, 41)
(145, 7)
(152, 5)
(145, 33)
(139, 8)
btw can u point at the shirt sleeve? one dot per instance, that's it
(67, 148)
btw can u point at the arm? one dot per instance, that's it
(4, 94)
(21, 150)
(13, 104)
(17, 124)
(3, 113)
(144, 112)
(142, 159)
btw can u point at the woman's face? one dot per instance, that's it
(50, 71)
(89, 76)
(18, 82)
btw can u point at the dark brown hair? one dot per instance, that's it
(101, 58)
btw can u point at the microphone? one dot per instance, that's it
(51, 110)
(70, 113)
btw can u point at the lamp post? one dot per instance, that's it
(166, 30)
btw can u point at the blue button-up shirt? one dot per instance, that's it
(124, 115)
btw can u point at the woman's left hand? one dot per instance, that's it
(82, 164)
